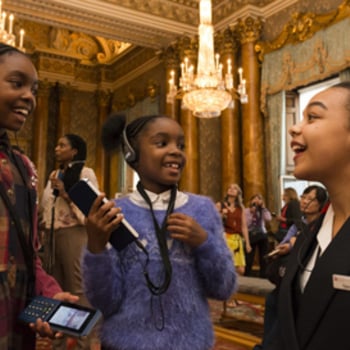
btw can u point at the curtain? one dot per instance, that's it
(274, 129)
(327, 53)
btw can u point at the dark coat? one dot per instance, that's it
(322, 318)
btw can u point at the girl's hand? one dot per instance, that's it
(102, 220)
(58, 185)
(185, 229)
(43, 328)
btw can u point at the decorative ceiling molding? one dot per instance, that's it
(254, 11)
(148, 23)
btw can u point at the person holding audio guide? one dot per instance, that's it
(314, 296)
(22, 276)
(156, 294)
(64, 223)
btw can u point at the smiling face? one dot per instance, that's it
(161, 154)
(18, 88)
(321, 141)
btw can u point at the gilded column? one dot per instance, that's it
(40, 129)
(190, 177)
(171, 59)
(230, 125)
(65, 101)
(101, 168)
(254, 170)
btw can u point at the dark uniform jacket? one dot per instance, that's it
(318, 319)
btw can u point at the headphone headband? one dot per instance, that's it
(129, 153)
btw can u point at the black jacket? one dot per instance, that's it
(319, 319)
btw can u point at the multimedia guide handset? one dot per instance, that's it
(83, 194)
(72, 319)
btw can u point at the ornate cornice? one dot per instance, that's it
(148, 23)
(303, 26)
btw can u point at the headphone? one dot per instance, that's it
(129, 153)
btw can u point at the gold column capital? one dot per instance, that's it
(170, 56)
(44, 88)
(188, 47)
(226, 42)
(103, 97)
(249, 30)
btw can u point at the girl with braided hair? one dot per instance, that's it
(21, 274)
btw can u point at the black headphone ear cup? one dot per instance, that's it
(129, 153)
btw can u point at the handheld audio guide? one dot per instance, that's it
(83, 194)
(72, 319)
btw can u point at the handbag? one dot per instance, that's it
(276, 268)
(256, 235)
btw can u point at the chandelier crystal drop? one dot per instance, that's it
(6, 30)
(207, 93)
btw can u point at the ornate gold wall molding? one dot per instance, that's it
(301, 27)
(85, 49)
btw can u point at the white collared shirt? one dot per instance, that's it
(324, 237)
(159, 201)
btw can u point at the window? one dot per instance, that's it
(305, 94)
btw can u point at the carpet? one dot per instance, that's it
(244, 317)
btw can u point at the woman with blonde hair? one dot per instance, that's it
(235, 224)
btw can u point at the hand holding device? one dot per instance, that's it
(72, 319)
(83, 194)
(273, 253)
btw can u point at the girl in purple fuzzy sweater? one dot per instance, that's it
(153, 293)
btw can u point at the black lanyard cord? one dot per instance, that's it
(162, 242)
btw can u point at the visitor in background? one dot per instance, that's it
(64, 223)
(257, 216)
(235, 225)
(290, 213)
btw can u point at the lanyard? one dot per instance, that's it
(162, 242)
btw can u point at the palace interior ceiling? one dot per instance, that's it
(100, 31)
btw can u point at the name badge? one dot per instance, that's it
(341, 282)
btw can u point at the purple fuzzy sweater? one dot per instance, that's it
(114, 283)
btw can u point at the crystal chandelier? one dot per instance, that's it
(207, 93)
(6, 30)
